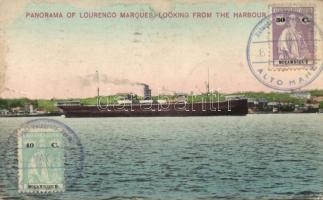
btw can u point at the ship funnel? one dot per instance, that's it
(147, 92)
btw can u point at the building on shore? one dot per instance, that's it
(257, 104)
(17, 110)
(301, 95)
(29, 108)
(4, 112)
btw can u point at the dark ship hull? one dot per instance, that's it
(232, 107)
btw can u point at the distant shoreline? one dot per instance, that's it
(310, 101)
(62, 114)
(33, 115)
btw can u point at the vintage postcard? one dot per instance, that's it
(176, 99)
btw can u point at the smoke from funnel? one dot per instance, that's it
(91, 79)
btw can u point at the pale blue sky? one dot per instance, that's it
(53, 54)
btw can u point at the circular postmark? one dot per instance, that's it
(41, 157)
(284, 50)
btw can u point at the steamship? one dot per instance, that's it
(130, 106)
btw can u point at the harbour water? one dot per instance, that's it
(271, 156)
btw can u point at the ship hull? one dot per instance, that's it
(234, 107)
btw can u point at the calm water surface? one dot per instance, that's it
(278, 156)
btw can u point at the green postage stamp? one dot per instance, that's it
(41, 160)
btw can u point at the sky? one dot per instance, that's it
(58, 58)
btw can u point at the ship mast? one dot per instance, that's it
(208, 81)
(98, 84)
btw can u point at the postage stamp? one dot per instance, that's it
(285, 49)
(293, 36)
(40, 160)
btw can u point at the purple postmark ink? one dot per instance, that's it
(285, 48)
